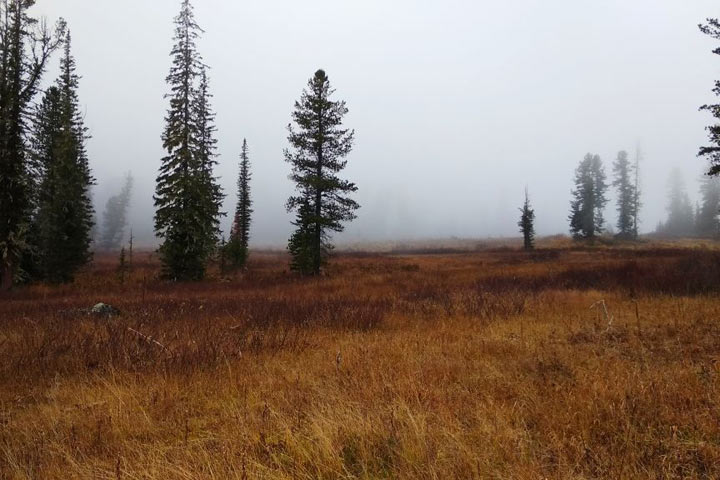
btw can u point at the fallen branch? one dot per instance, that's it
(609, 318)
(148, 339)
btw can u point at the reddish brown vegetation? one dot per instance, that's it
(485, 365)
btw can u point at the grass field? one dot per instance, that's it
(562, 363)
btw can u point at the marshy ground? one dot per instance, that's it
(562, 363)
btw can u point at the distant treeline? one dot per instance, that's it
(589, 199)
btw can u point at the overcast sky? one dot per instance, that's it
(457, 104)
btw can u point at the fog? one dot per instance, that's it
(457, 105)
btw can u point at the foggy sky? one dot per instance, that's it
(457, 105)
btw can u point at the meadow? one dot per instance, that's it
(566, 362)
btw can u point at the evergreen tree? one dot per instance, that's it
(115, 216)
(205, 147)
(527, 223)
(586, 208)
(47, 122)
(64, 215)
(681, 219)
(712, 152)
(240, 234)
(319, 146)
(187, 196)
(300, 245)
(707, 218)
(25, 48)
(627, 197)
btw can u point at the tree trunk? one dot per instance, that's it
(7, 272)
(317, 247)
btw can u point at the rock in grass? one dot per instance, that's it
(104, 310)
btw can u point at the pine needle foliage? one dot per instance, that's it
(300, 244)
(627, 197)
(318, 148)
(187, 195)
(65, 216)
(588, 203)
(26, 46)
(238, 246)
(527, 223)
(712, 151)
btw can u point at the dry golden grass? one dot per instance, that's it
(483, 365)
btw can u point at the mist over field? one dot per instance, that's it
(457, 105)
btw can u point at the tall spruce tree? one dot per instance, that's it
(238, 246)
(626, 197)
(707, 217)
(319, 146)
(586, 208)
(64, 217)
(115, 216)
(205, 147)
(712, 152)
(527, 223)
(46, 124)
(187, 195)
(25, 48)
